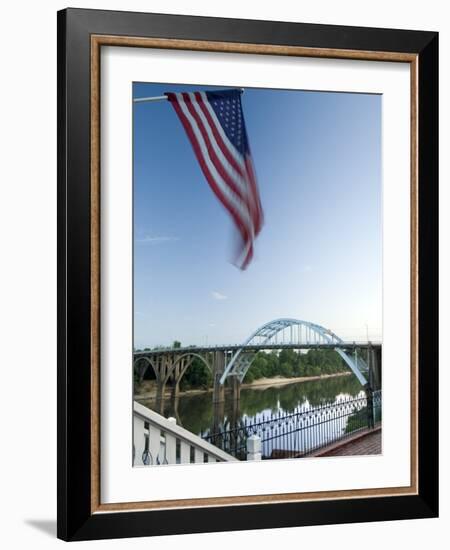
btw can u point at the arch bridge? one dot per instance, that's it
(229, 364)
(290, 333)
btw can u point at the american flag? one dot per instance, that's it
(214, 123)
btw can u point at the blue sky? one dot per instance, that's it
(317, 157)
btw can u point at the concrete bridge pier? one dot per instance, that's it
(218, 368)
(218, 422)
(218, 415)
(235, 412)
(160, 390)
(175, 390)
(174, 404)
(235, 384)
(162, 368)
(176, 377)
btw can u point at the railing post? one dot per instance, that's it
(370, 411)
(254, 447)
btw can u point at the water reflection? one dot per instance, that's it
(196, 413)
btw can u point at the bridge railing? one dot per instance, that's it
(303, 432)
(158, 441)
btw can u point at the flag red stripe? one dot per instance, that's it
(248, 257)
(256, 208)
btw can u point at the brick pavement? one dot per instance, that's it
(367, 444)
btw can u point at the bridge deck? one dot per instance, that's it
(257, 347)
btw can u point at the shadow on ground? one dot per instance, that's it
(47, 526)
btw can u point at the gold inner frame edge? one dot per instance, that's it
(97, 41)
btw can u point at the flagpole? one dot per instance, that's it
(160, 98)
(146, 99)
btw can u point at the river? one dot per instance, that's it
(195, 412)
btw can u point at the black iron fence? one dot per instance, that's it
(303, 432)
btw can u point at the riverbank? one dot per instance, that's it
(281, 381)
(148, 389)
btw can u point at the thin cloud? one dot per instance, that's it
(218, 295)
(157, 239)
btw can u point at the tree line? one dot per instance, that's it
(289, 363)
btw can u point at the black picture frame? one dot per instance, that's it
(76, 518)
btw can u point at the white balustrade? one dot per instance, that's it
(158, 440)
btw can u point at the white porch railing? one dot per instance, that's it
(158, 440)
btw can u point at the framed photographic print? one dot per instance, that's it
(247, 274)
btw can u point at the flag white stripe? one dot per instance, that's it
(229, 194)
(241, 183)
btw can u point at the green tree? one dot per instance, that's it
(260, 365)
(288, 356)
(196, 376)
(287, 370)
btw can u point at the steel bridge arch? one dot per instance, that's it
(242, 360)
